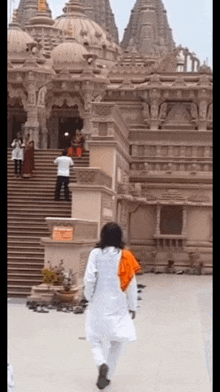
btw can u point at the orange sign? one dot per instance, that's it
(62, 233)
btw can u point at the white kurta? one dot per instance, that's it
(107, 316)
(18, 151)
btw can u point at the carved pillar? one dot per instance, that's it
(32, 125)
(154, 109)
(184, 227)
(158, 219)
(135, 150)
(203, 109)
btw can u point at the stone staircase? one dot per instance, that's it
(29, 202)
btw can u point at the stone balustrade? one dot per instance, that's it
(172, 242)
(92, 176)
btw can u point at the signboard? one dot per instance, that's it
(63, 233)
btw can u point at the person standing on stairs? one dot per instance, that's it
(63, 173)
(18, 153)
(111, 289)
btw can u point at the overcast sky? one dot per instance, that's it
(190, 21)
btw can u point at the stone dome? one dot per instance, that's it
(17, 41)
(68, 55)
(86, 31)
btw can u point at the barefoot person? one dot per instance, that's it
(111, 289)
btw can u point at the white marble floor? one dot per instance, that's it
(173, 352)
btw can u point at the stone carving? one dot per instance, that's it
(102, 110)
(210, 112)
(163, 111)
(92, 177)
(167, 63)
(146, 111)
(18, 93)
(194, 111)
(199, 197)
(178, 115)
(52, 100)
(32, 96)
(41, 96)
(203, 110)
(172, 194)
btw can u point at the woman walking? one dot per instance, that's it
(111, 289)
(17, 153)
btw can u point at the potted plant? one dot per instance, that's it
(67, 279)
(50, 277)
(57, 276)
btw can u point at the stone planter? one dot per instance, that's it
(67, 296)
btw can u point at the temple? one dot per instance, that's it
(144, 106)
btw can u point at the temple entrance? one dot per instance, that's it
(67, 130)
(62, 125)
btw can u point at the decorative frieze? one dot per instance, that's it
(92, 176)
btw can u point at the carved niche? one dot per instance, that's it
(60, 100)
(178, 114)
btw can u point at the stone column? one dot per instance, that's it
(154, 106)
(32, 125)
(158, 219)
(184, 228)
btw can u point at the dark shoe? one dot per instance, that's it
(102, 380)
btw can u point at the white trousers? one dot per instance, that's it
(108, 353)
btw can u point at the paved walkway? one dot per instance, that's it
(172, 352)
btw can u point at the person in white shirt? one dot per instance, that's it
(18, 153)
(63, 173)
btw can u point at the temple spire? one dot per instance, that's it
(27, 9)
(148, 29)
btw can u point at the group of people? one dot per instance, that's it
(23, 156)
(23, 152)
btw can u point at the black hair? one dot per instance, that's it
(65, 151)
(111, 235)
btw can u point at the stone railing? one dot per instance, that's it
(92, 176)
(164, 241)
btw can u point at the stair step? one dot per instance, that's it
(30, 201)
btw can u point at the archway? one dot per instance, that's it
(62, 124)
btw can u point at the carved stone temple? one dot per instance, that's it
(144, 106)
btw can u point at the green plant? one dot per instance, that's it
(69, 280)
(49, 275)
(57, 276)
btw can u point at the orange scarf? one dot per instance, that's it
(128, 268)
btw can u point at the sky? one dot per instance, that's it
(190, 21)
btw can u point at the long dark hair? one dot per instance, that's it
(111, 235)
